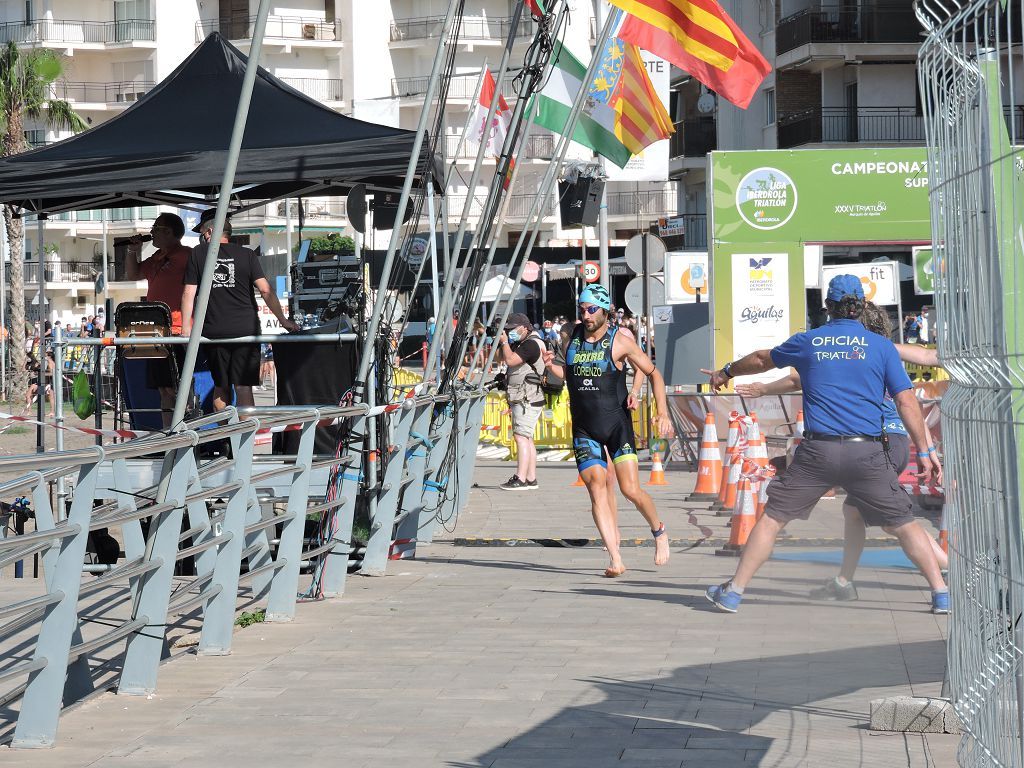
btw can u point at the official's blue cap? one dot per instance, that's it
(841, 286)
(596, 295)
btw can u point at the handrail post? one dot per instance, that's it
(382, 520)
(285, 584)
(335, 567)
(41, 704)
(144, 649)
(219, 616)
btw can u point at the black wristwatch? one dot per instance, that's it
(727, 370)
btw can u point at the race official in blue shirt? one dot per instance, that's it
(846, 371)
(857, 514)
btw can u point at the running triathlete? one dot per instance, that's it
(595, 355)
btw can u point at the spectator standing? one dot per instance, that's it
(232, 311)
(521, 349)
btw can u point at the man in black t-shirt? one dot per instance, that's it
(231, 312)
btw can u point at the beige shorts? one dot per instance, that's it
(524, 418)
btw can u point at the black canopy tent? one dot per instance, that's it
(170, 147)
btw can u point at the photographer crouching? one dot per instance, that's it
(520, 348)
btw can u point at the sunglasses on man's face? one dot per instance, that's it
(588, 310)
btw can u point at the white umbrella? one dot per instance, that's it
(503, 287)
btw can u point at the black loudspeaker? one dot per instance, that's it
(385, 209)
(580, 202)
(313, 373)
(356, 208)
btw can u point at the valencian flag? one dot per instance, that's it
(700, 38)
(622, 113)
(535, 7)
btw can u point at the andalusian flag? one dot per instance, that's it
(596, 126)
(700, 38)
(622, 114)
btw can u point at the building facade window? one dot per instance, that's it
(769, 106)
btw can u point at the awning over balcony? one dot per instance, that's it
(171, 146)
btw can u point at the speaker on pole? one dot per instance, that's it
(355, 208)
(580, 202)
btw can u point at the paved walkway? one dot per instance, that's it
(526, 657)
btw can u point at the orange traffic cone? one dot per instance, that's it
(743, 519)
(709, 464)
(731, 487)
(657, 469)
(756, 449)
(799, 426)
(731, 448)
(944, 533)
(579, 482)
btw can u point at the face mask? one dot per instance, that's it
(513, 336)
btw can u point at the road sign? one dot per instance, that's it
(532, 272)
(698, 276)
(635, 293)
(591, 271)
(655, 253)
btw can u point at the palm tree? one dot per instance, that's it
(25, 80)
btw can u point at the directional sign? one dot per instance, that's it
(591, 271)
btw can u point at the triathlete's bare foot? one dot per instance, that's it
(615, 570)
(661, 550)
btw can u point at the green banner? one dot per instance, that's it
(820, 195)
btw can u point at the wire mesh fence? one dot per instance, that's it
(971, 71)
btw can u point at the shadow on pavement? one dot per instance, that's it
(707, 709)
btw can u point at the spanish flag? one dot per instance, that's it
(700, 38)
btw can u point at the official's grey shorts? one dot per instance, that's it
(862, 469)
(524, 418)
(899, 455)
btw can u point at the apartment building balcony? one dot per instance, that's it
(643, 204)
(519, 207)
(459, 87)
(830, 35)
(324, 89)
(301, 30)
(56, 272)
(119, 94)
(68, 33)
(695, 231)
(873, 125)
(472, 29)
(538, 147)
(694, 138)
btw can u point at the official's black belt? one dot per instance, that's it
(843, 438)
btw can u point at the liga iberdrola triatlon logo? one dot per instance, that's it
(766, 198)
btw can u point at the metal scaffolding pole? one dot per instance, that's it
(227, 181)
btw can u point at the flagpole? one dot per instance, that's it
(549, 177)
(602, 212)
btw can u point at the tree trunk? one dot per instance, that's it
(13, 143)
(15, 239)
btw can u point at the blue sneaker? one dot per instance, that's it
(724, 598)
(940, 602)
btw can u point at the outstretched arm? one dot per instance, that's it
(758, 361)
(913, 419)
(912, 353)
(781, 386)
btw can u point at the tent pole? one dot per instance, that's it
(549, 177)
(288, 246)
(372, 328)
(41, 298)
(228, 180)
(4, 260)
(447, 298)
(602, 214)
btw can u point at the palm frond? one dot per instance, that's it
(62, 116)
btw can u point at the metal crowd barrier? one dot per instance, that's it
(242, 520)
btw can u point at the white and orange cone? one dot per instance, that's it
(709, 464)
(743, 520)
(732, 486)
(756, 449)
(731, 449)
(657, 469)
